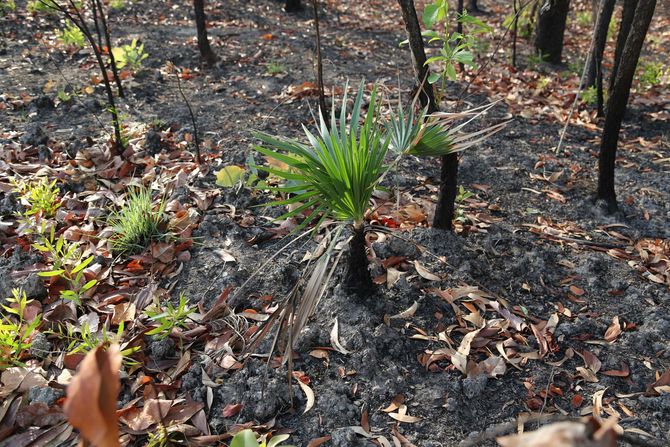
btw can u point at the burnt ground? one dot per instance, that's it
(533, 242)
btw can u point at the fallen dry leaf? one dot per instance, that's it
(613, 331)
(91, 397)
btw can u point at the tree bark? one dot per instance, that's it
(616, 103)
(594, 62)
(459, 29)
(357, 277)
(444, 209)
(293, 6)
(551, 20)
(627, 14)
(201, 27)
(515, 30)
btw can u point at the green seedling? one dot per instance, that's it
(15, 332)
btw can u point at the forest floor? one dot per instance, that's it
(571, 306)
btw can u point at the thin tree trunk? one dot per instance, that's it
(616, 103)
(201, 27)
(108, 42)
(94, 10)
(515, 30)
(459, 29)
(293, 6)
(627, 14)
(550, 29)
(594, 62)
(319, 66)
(421, 71)
(357, 277)
(444, 209)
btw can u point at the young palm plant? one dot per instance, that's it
(333, 176)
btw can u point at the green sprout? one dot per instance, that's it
(130, 56)
(40, 197)
(72, 36)
(170, 318)
(15, 332)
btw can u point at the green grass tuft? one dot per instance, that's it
(138, 222)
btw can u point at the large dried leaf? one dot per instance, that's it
(91, 397)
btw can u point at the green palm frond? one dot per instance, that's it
(435, 135)
(339, 168)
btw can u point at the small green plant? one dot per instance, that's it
(247, 438)
(15, 332)
(63, 96)
(40, 197)
(584, 18)
(590, 95)
(7, 6)
(41, 6)
(72, 36)
(461, 197)
(68, 265)
(83, 340)
(543, 82)
(651, 74)
(275, 67)
(138, 222)
(130, 56)
(170, 318)
(117, 5)
(456, 48)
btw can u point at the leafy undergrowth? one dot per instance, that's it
(539, 305)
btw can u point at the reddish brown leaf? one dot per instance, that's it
(231, 410)
(91, 397)
(319, 441)
(577, 401)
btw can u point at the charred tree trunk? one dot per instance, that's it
(357, 277)
(413, 29)
(616, 103)
(201, 27)
(551, 20)
(627, 14)
(319, 67)
(594, 62)
(444, 209)
(293, 6)
(459, 29)
(108, 42)
(515, 30)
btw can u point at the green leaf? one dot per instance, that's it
(51, 273)
(245, 438)
(450, 70)
(431, 14)
(89, 284)
(229, 176)
(82, 265)
(433, 78)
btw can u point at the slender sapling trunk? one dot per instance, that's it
(616, 103)
(201, 28)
